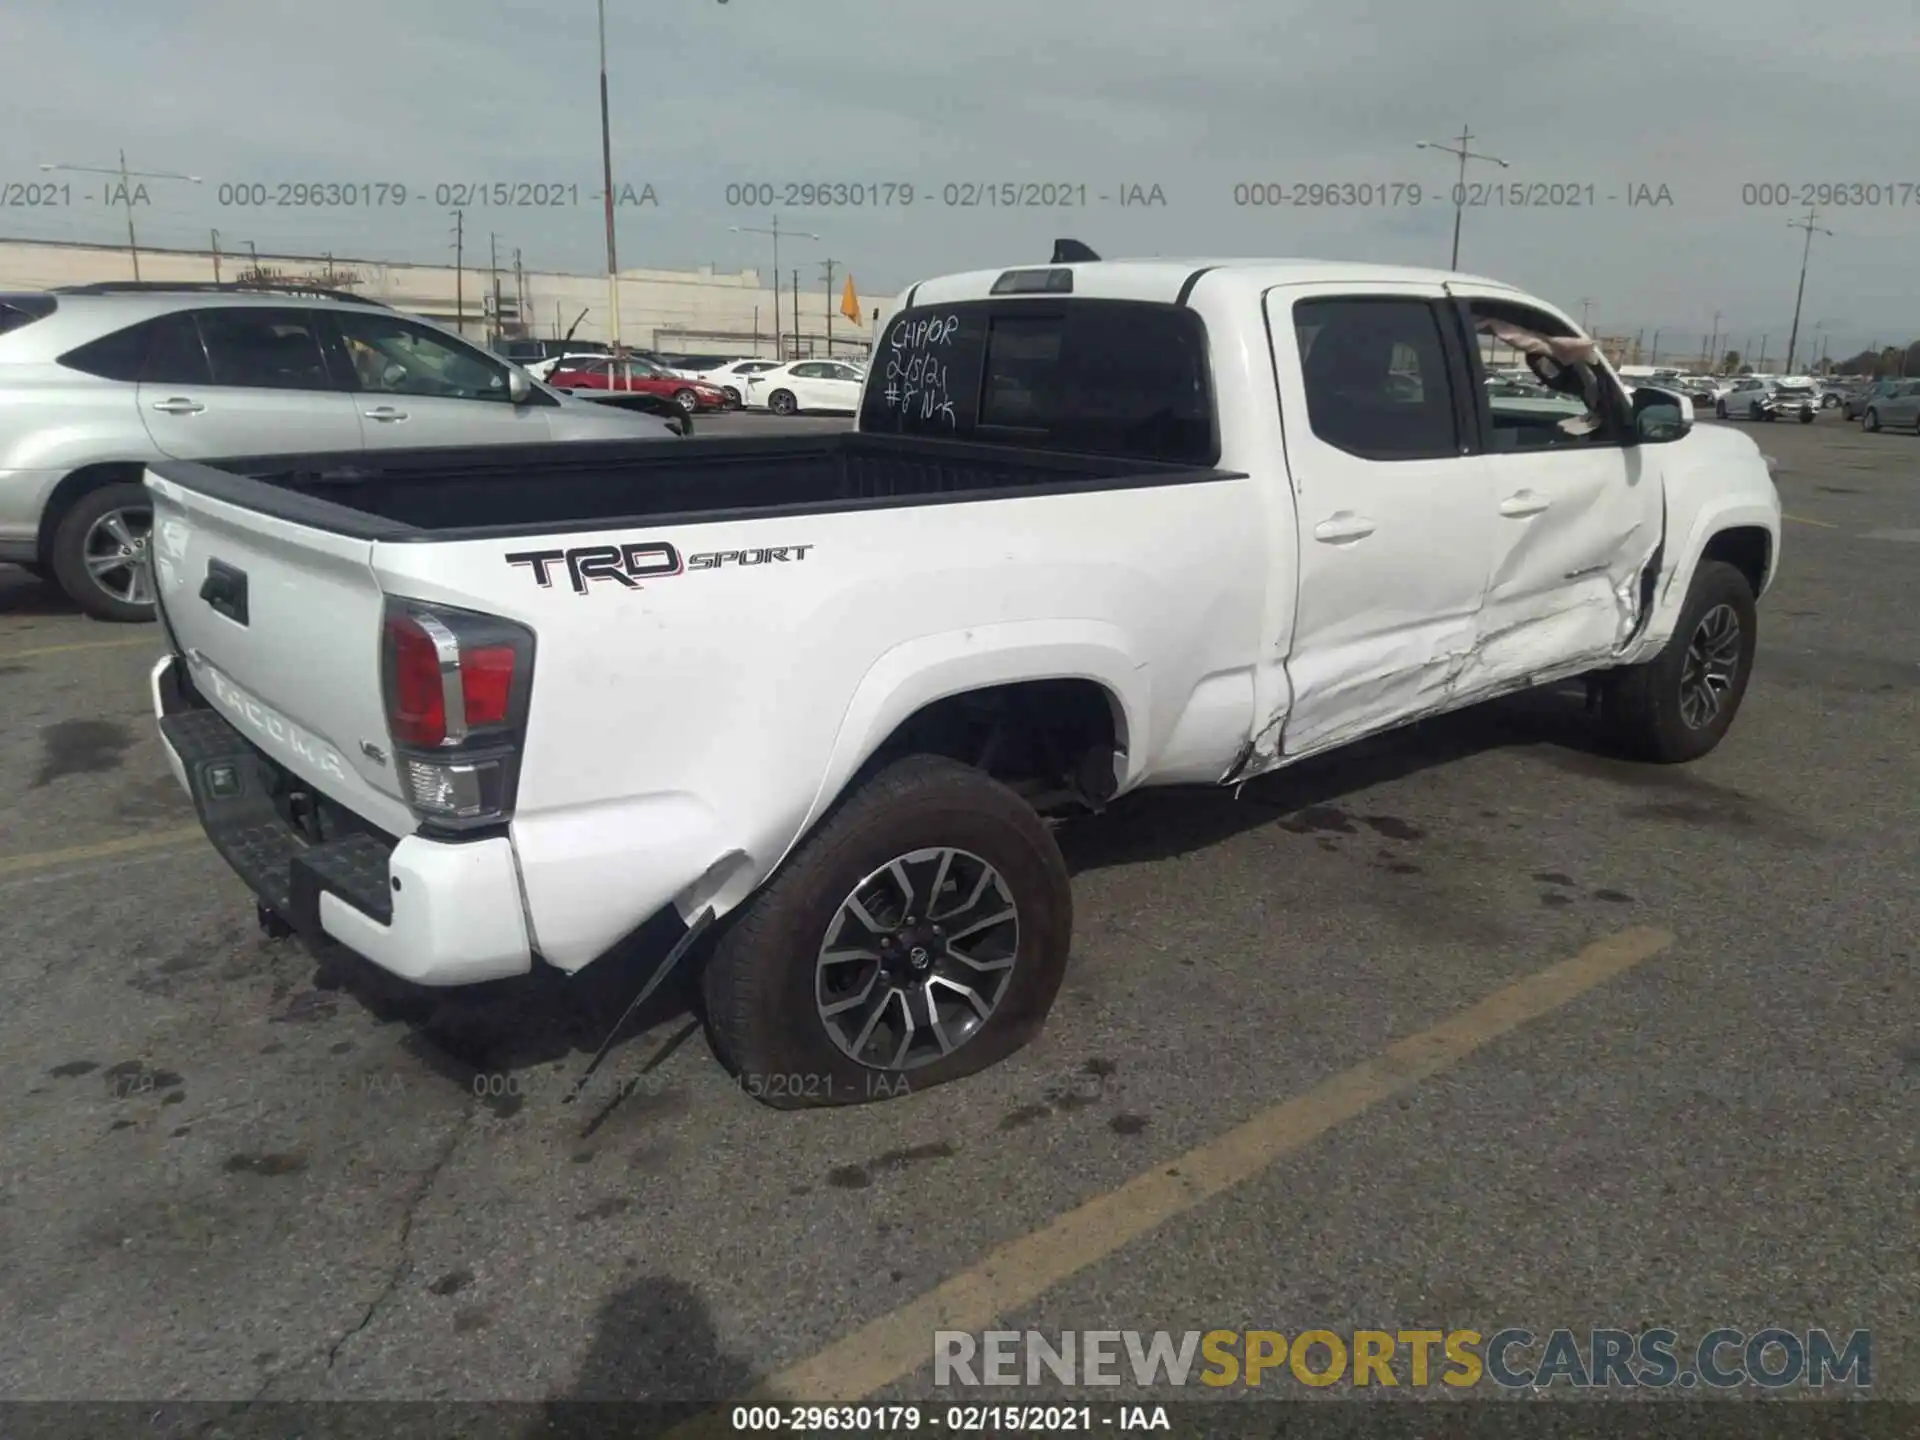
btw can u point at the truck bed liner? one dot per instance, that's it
(449, 494)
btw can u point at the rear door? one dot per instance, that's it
(1575, 517)
(413, 385)
(1394, 512)
(243, 380)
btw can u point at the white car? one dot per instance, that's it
(802, 386)
(1145, 523)
(732, 377)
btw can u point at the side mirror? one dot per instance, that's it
(1660, 416)
(519, 387)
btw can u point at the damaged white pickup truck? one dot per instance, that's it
(1101, 525)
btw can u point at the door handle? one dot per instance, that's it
(384, 412)
(179, 405)
(1523, 504)
(1343, 528)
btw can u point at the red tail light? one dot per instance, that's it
(457, 685)
(417, 700)
(486, 683)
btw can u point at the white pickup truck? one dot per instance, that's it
(1100, 526)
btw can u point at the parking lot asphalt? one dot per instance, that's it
(237, 1171)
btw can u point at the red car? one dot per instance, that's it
(641, 377)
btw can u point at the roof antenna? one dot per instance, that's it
(1071, 252)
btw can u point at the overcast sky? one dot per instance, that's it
(1194, 97)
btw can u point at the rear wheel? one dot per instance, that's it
(919, 935)
(100, 552)
(781, 402)
(1680, 704)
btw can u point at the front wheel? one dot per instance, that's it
(1679, 705)
(919, 935)
(100, 552)
(781, 402)
(1806, 417)
(1872, 422)
(733, 397)
(687, 401)
(1719, 409)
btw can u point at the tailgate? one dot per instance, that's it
(279, 625)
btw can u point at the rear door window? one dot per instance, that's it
(1107, 377)
(265, 348)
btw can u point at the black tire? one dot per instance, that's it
(733, 397)
(69, 556)
(1870, 422)
(686, 400)
(1806, 417)
(760, 985)
(1719, 409)
(1642, 708)
(781, 402)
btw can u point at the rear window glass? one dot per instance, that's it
(115, 356)
(1107, 377)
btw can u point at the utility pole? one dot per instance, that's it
(1807, 225)
(253, 253)
(1654, 358)
(459, 273)
(1585, 306)
(216, 257)
(1460, 186)
(1761, 368)
(779, 342)
(1713, 345)
(796, 312)
(606, 167)
(493, 261)
(828, 265)
(127, 177)
(519, 292)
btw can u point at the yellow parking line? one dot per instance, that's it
(148, 640)
(897, 1344)
(1802, 520)
(100, 850)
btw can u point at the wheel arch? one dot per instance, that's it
(72, 487)
(933, 693)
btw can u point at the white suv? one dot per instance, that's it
(97, 381)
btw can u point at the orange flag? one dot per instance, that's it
(850, 302)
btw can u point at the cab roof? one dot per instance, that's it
(1170, 279)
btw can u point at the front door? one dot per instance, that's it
(1577, 514)
(1393, 511)
(415, 386)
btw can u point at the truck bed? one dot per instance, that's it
(450, 494)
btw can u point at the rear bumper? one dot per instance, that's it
(433, 912)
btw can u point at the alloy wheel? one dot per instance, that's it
(116, 555)
(917, 959)
(1712, 665)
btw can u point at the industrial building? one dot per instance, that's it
(666, 310)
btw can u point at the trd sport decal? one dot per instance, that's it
(627, 565)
